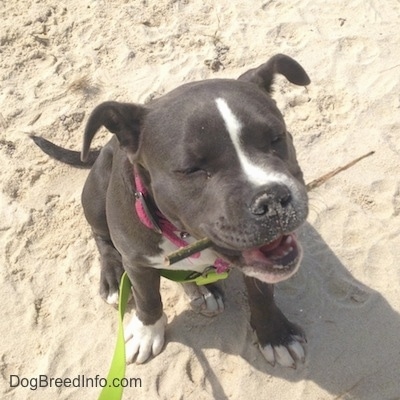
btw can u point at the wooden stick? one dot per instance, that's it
(319, 181)
(204, 243)
(187, 251)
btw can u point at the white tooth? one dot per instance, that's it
(290, 249)
(289, 240)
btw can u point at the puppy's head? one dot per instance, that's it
(220, 163)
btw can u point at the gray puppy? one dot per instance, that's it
(209, 159)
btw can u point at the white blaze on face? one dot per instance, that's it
(255, 174)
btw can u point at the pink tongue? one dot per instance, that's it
(271, 246)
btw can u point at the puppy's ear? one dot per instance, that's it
(123, 119)
(279, 64)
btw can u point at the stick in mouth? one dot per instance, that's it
(204, 243)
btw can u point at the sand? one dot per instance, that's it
(59, 60)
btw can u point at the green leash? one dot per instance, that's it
(117, 368)
(114, 390)
(209, 275)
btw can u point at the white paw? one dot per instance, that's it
(143, 341)
(112, 298)
(204, 301)
(286, 356)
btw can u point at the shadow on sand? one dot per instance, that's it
(353, 333)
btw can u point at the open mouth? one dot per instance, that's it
(274, 261)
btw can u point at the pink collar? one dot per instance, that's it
(155, 220)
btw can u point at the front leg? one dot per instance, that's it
(144, 335)
(279, 340)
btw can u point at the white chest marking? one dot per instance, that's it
(256, 174)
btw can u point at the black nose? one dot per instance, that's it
(271, 199)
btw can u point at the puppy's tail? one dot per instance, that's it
(66, 156)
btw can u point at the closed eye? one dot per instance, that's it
(269, 143)
(277, 139)
(190, 171)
